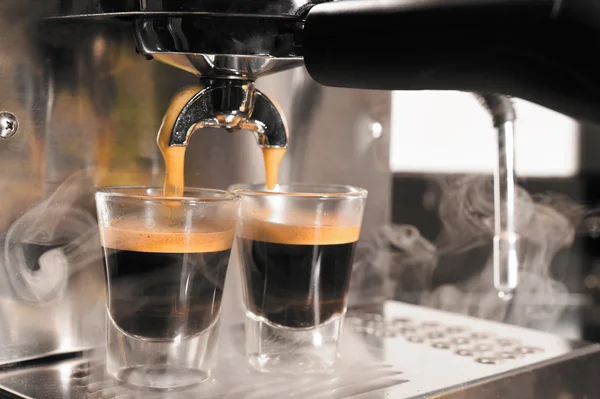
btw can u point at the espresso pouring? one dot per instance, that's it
(174, 156)
(152, 264)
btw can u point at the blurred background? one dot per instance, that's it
(442, 154)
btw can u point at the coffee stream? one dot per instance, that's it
(272, 157)
(155, 264)
(174, 156)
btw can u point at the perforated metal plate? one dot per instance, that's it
(406, 352)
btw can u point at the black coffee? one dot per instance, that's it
(295, 284)
(162, 293)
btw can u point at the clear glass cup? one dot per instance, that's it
(165, 262)
(295, 248)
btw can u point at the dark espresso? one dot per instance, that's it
(163, 285)
(296, 276)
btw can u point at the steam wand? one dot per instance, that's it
(506, 239)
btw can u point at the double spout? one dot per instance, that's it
(231, 104)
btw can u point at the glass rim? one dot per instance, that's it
(344, 191)
(126, 192)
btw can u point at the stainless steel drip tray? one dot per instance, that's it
(408, 352)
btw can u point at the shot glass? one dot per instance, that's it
(295, 248)
(165, 262)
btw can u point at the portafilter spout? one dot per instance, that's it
(227, 53)
(232, 104)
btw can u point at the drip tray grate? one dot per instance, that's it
(485, 347)
(407, 352)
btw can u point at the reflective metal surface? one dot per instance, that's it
(231, 66)
(133, 7)
(9, 125)
(231, 105)
(405, 352)
(506, 239)
(218, 34)
(235, 38)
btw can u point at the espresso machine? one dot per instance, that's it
(85, 84)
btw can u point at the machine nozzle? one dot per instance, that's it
(231, 104)
(506, 237)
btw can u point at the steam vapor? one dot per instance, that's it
(67, 237)
(546, 223)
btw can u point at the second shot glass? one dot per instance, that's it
(296, 248)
